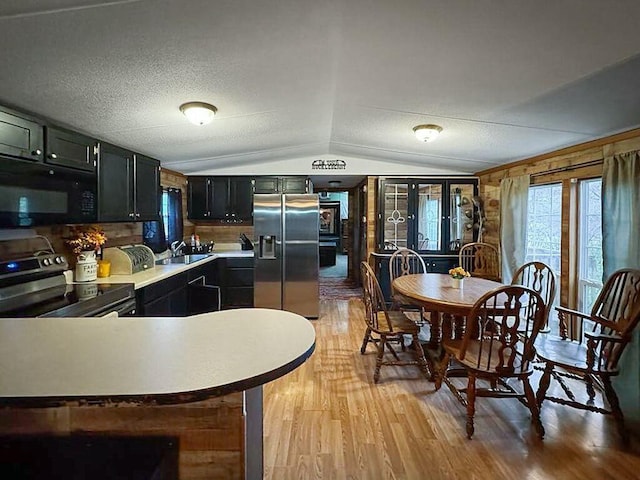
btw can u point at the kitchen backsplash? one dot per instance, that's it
(223, 233)
(117, 234)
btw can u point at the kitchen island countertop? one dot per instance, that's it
(45, 362)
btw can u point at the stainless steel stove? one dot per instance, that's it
(33, 284)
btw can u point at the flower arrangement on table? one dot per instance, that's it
(84, 239)
(459, 273)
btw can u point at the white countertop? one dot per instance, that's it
(149, 360)
(160, 272)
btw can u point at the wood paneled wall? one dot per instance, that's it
(210, 433)
(371, 207)
(222, 233)
(562, 166)
(117, 234)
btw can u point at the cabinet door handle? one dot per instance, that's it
(53, 156)
(37, 151)
(138, 215)
(132, 215)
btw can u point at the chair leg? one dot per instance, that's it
(590, 390)
(422, 361)
(441, 370)
(533, 408)
(612, 398)
(365, 341)
(383, 342)
(471, 404)
(544, 384)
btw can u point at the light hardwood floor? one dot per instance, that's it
(328, 420)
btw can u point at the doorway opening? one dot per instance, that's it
(334, 218)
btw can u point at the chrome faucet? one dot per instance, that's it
(176, 247)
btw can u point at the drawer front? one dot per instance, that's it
(239, 277)
(238, 297)
(239, 262)
(162, 288)
(440, 265)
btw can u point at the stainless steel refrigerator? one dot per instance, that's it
(286, 230)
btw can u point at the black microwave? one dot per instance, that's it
(36, 194)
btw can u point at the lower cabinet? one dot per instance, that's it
(222, 283)
(236, 279)
(441, 264)
(166, 298)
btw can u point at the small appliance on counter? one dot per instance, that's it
(129, 259)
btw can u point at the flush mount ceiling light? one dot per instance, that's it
(334, 183)
(198, 113)
(427, 133)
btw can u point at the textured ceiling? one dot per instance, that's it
(295, 78)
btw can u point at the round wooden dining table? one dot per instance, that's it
(434, 292)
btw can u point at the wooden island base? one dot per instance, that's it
(184, 378)
(210, 433)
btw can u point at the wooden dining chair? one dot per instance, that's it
(385, 327)
(592, 359)
(405, 261)
(495, 355)
(480, 260)
(539, 277)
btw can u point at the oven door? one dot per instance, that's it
(35, 194)
(124, 309)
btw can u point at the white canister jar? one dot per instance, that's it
(86, 266)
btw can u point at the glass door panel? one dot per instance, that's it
(429, 216)
(461, 215)
(395, 215)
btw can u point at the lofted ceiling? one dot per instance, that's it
(506, 79)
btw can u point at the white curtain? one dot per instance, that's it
(514, 202)
(621, 249)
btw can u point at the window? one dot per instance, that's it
(544, 225)
(159, 235)
(165, 212)
(590, 270)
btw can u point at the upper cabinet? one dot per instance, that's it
(293, 184)
(21, 136)
(430, 216)
(70, 149)
(147, 190)
(225, 199)
(128, 186)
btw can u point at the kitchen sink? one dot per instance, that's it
(183, 259)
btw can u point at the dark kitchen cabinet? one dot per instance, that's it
(432, 216)
(146, 188)
(224, 199)
(166, 298)
(236, 280)
(21, 136)
(293, 184)
(128, 186)
(203, 288)
(198, 198)
(70, 149)
(188, 293)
